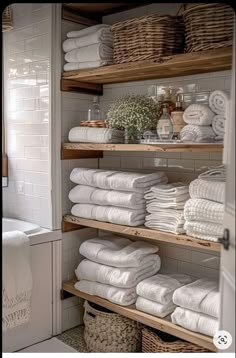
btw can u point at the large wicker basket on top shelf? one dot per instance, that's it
(147, 38)
(207, 26)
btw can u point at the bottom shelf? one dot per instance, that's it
(161, 324)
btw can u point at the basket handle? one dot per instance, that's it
(181, 9)
(91, 314)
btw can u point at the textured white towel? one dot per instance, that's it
(117, 251)
(218, 101)
(154, 308)
(193, 133)
(204, 230)
(103, 35)
(96, 135)
(198, 114)
(195, 321)
(88, 195)
(160, 288)
(94, 52)
(117, 180)
(204, 210)
(125, 277)
(204, 189)
(72, 66)
(17, 279)
(120, 296)
(214, 173)
(201, 296)
(87, 31)
(218, 125)
(111, 214)
(170, 220)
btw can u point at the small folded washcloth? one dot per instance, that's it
(94, 52)
(73, 66)
(204, 230)
(204, 210)
(88, 30)
(214, 173)
(205, 189)
(117, 251)
(96, 135)
(198, 134)
(218, 101)
(154, 308)
(218, 125)
(198, 114)
(170, 220)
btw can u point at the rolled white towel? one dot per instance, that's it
(87, 31)
(218, 125)
(204, 210)
(154, 308)
(195, 133)
(94, 52)
(198, 114)
(218, 101)
(96, 135)
(73, 66)
(204, 230)
(206, 189)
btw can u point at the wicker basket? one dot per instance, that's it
(107, 332)
(154, 341)
(96, 124)
(7, 21)
(208, 26)
(147, 38)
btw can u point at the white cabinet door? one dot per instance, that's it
(40, 326)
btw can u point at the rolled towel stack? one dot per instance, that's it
(155, 293)
(96, 135)
(88, 48)
(111, 196)
(218, 101)
(165, 204)
(114, 266)
(199, 305)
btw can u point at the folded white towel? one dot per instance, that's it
(204, 210)
(198, 134)
(195, 321)
(201, 296)
(160, 288)
(198, 114)
(87, 31)
(120, 296)
(204, 189)
(218, 101)
(117, 180)
(88, 195)
(94, 52)
(154, 308)
(170, 220)
(218, 125)
(204, 230)
(17, 280)
(125, 277)
(217, 173)
(117, 251)
(111, 214)
(73, 66)
(96, 135)
(103, 35)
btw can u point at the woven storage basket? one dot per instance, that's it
(154, 341)
(107, 332)
(7, 21)
(96, 124)
(208, 26)
(147, 38)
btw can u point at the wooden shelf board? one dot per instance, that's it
(80, 154)
(161, 324)
(172, 66)
(68, 85)
(143, 232)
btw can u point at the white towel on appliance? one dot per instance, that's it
(154, 308)
(88, 195)
(204, 230)
(95, 135)
(201, 296)
(198, 114)
(117, 180)
(160, 288)
(204, 189)
(73, 66)
(125, 277)
(198, 134)
(195, 321)
(217, 173)
(218, 101)
(111, 214)
(218, 125)
(170, 220)
(94, 52)
(120, 296)
(17, 280)
(117, 251)
(88, 30)
(204, 210)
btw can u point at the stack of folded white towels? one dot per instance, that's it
(96, 135)
(111, 196)
(88, 48)
(165, 204)
(114, 266)
(199, 304)
(218, 102)
(155, 293)
(204, 211)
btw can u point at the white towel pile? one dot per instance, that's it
(88, 48)
(218, 102)
(204, 211)
(114, 266)
(165, 203)
(155, 293)
(111, 196)
(199, 304)
(96, 135)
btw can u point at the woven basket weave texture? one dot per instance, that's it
(7, 19)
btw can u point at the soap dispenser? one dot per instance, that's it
(167, 100)
(165, 125)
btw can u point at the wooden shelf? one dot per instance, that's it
(161, 324)
(70, 222)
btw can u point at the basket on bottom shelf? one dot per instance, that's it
(154, 341)
(107, 332)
